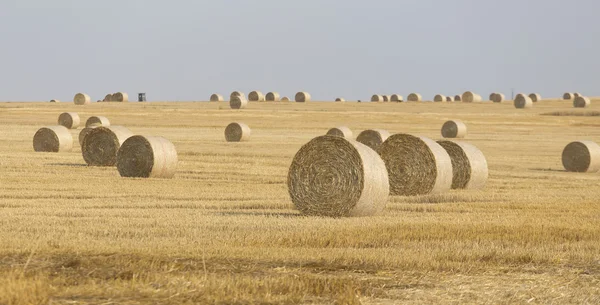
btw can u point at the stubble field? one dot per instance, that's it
(225, 231)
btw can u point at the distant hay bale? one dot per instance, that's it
(238, 102)
(581, 157)
(439, 98)
(70, 120)
(523, 101)
(237, 132)
(576, 95)
(449, 99)
(470, 97)
(54, 101)
(396, 98)
(492, 95)
(469, 166)
(302, 97)
(256, 96)
(535, 97)
(457, 98)
(414, 97)
(416, 165)
(97, 121)
(272, 97)
(120, 97)
(285, 99)
(454, 129)
(376, 98)
(581, 102)
(373, 138)
(236, 93)
(341, 131)
(108, 98)
(340, 99)
(53, 139)
(101, 144)
(216, 98)
(336, 177)
(147, 157)
(568, 96)
(82, 99)
(386, 98)
(83, 133)
(497, 97)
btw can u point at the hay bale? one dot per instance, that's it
(216, 98)
(416, 165)
(83, 133)
(568, 96)
(497, 97)
(108, 98)
(581, 102)
(272, 97)
(238, 102)
(70, 120)
(523, 101)
(336, 177)
(469, 166)
(377, 98)
(302, 97)
(341, 131)
(576, 95)
(236, 93)
(457, 98)
(147, 157)
(454, 129)
(414, 97)
(120, 97)
(285, 99)
(439, 98)
(340, 99)
(101, 144)
(54, 101)
(82, 99)
(237, 132)
(471, 97)
(581, 157)
(53, 139)
(386, 98)
(373, 138)
(449, 99)
(97, 121)
(396, 98)
(535, 97)
(256, 96)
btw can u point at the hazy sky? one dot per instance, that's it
(186, 50)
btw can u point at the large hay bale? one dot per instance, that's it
(272, 97)
(238, 102)
(340, 99)
(582, 157)
(83, 133)
(439, 98)
(386, 98)
(285, 99)
(449, 99)
(236, 93)
(302, 97)
(523, 101)
(54, 101)
(535, 97)
(97, 121)
(256, 96)
(108, 98)
(237, 132)
(120, 97)
(373, 138)
(454, 129)
(70, 120)
(101, 144)
(341, 131)
(568, 96)
(497, 97)
(53, 139)
(336, 177)
(147, 157)
(416, 165)
(469, 166)
(376, 98)
(581, 102)
(457, 98)
(82, 99)
(216, 98)
(396, 98)
(414, 97)
(471, 97)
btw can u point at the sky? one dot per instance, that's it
(187, 50)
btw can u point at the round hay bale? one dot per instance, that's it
(272, 97)
(82, 99)
(396, 98)
(581, 157)
(70, 120)
(470, 97)
(568, 96)
(237, 132)
(53, 139)
(336, 177)
(373, 138)
(535, 97)
(302, 97)
(523, 101)
(97, 121)
(216, 98)
(340, 99)
(120, 97)
(497, 97)
(414, 97)
(341, 131)
(492, 95)
(108, 98)
(469, 166)
(101, 144)
(576, 95)
(54, 101)
(285, 99)
(256, 96)
(581, 102)
(236, 93)
(238, 102)
(377, 98)
(83, 133)
(454, 129)
(416, 165)
(449, 99)
(147, 157)
(457, 98)
(386, 98)
(439, 98)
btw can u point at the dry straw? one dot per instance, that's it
(101, 144)
(576, 95)
(238, 102)
(256, 96)
(54, 101)
(376, 98)
(386, 98)
(439, 98)
(449, 99)
(53, 139)
(340, 99)
(237, 132)
(454, 129)
(216, 98)
(581, 102)
(285, 99)
(83, 133)
(120, 97)
(373, 137)
(469, 166)
(396, 98)
(497, 97)
(416, 165)
(147, 157)
(272, 97)
(523, 101)
(108, 98)
(82, 99)
(535, 97)
(70, 120)
(568, 96)
(470, 97)
(341, 131)
(302, 97)
(414, 97)
(582, 157)
(457, 98)
(335, 177)
(97, 121)
(236, 93)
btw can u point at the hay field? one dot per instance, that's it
(224, 229)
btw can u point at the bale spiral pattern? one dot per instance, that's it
(53, 139)
(373, 138)
(582, 157)
(340, 131)
(469, 166)
(101, 144)
(147, 157)
(237, 132)
(70, 120)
